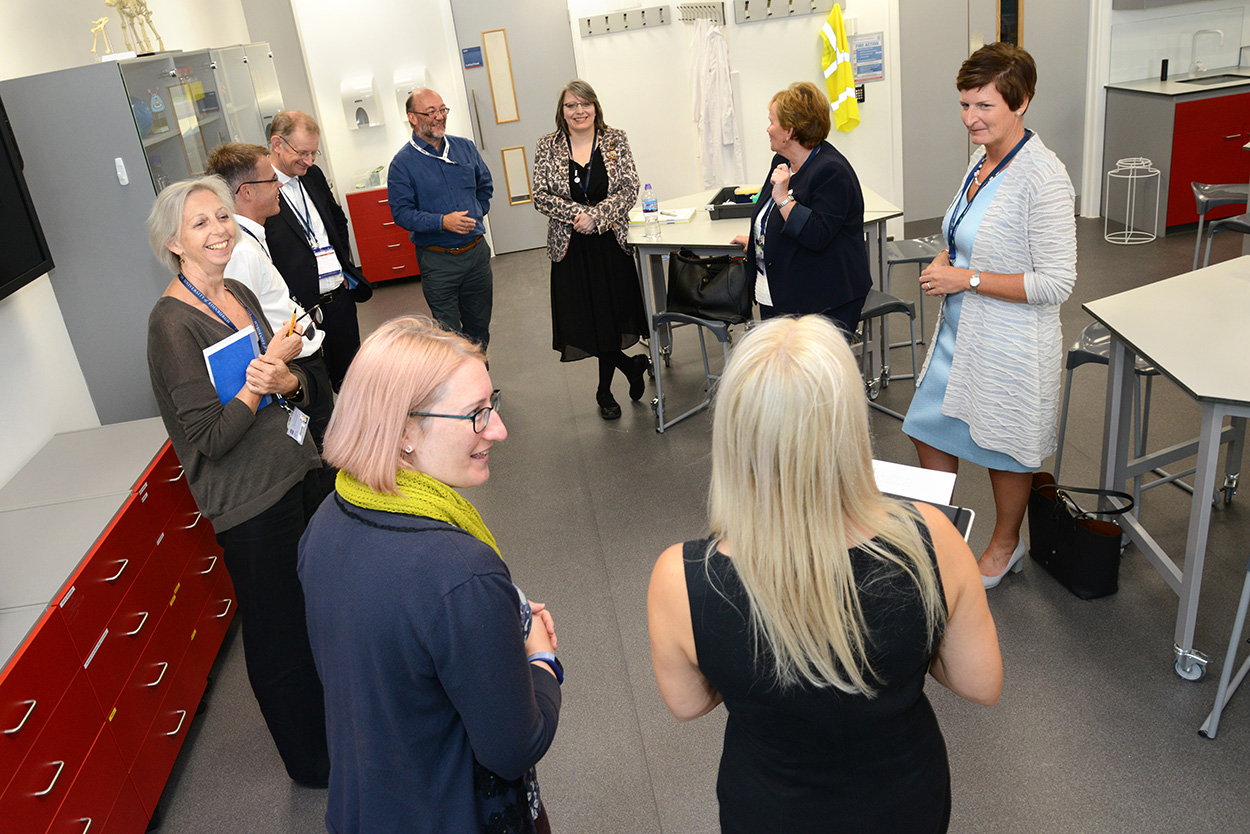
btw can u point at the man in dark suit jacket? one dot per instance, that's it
(308, 240)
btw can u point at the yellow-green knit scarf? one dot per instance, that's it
(419, 495)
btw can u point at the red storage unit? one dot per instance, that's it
(109, 636)
(385, 250)
(1207, 141)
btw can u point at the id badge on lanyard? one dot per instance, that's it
(328, 265)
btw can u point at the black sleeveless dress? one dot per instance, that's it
(596, 300)
(820, 760)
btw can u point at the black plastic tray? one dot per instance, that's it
(732, 210)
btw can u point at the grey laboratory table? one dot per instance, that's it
(705, 236)
(1189, 328)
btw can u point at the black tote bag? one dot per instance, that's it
(711, 288)
(1080, 551)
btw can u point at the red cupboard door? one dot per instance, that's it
(43, 779)
(31, 688)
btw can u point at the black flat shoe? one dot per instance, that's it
(609, 409)
(638, 379)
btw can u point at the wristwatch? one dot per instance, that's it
(974, 281)
(789, 199)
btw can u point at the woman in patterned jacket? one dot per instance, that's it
(585, 182)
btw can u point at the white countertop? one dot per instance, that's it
(1175, 85)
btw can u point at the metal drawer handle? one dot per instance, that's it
(48, 789)
(393, 245)
(119, 571)
(87, 820)
(383, 201)
(180, 720)
(391, 223)
(1234, 136)
(141, 624)
(164, 667)
(227, 611)
(396, 268)
(24, 718)
(198, 516)
(181, 473)
(209, 569)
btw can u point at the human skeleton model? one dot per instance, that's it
(137, 20)
(97, 29)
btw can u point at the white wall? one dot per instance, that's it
(641, 78)
(42, 389)
(1141, 39)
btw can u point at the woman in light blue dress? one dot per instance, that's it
(989, 390)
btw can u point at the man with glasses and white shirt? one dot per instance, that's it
(308, 239)
(252, 180)
(439, 189)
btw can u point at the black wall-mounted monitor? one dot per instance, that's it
(24, 253)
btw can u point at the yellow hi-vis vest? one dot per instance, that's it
(839, 77)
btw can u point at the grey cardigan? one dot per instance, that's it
(238, 464)
(1008, 362)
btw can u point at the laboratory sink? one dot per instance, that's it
(1223, 78)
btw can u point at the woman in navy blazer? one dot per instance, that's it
(806, 249)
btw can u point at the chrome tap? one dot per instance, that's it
(1196, 65)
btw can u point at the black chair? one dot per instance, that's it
(878, 305)
(720, 330)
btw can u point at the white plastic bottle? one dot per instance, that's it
(650, 214)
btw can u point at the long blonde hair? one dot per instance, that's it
(792, 490)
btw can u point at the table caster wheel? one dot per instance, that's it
(655, 406)
(1197, 671)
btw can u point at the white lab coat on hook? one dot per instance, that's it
(720, 146)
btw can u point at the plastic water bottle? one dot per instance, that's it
(650, 214)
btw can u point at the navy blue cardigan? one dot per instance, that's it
(816, 260)
(416, 630)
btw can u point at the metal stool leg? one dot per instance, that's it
(1063, 422)
(1198, 243)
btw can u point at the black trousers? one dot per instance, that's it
(260, 555)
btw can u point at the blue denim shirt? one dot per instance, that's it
(421, 189)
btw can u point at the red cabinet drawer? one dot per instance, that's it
(162, 487)
(164, 739)
(127, 633)
(369, 209)
(127, 816)
(180, 537)
(94, 791)
(31, 687)
(399, 262)
(105, 577)
(44, 777)
(210, 628)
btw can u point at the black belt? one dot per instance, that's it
(458, 251)
(327, 297)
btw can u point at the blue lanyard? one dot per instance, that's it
(955, 221)
(258, 240)
(260, 334)
(305, 219)
(590, 165)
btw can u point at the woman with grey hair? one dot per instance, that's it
(248, 462)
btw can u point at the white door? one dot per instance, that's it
(512, 101)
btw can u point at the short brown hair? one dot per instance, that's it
(402, 367)
(803, 108)
(288, 121)
(235, 162)
(1008, 67)
(585, 92)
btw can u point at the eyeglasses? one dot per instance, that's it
(480, 417)
(432, 112)
(571, 106)
(309, 155)
(313, 312)
(257, 182)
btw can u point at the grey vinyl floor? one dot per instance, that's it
(1094, 732)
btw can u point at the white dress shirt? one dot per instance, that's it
(297, 198)
(250, 265)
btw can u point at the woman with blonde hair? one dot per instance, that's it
(440, 697)
(817, 605)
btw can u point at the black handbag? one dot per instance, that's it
(710, 288)
(1080, 551)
